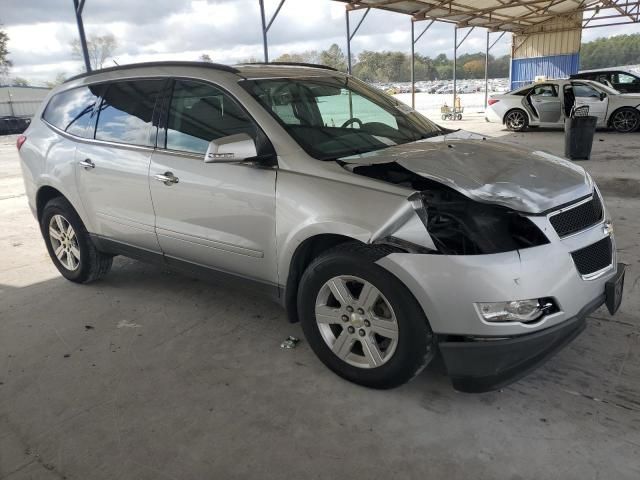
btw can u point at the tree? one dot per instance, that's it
(100, 47)
(309, 56)
(334, 58)
(205, 57)
(610, 52)
(5, 63)
(58, 80)
(474, 69)
(20, 82)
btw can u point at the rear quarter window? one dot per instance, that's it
(126, 112)
(71, 110)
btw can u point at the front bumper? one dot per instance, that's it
(483, 365)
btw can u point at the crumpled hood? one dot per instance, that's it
(489, 171)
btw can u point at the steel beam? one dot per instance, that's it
(414, 40)
(78, 7)
(486, 66)
(350, 34)
(266, 26)
(455, 56)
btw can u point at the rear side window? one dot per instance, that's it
(544, 91)
(71, 110)
(200, 113)
(126, 112)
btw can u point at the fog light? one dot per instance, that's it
(513, 311)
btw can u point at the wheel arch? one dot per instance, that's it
(504, 117)
(618, 109)
(44, 194)
(303, 255)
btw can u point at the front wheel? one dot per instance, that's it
(69, 245)
(516, 120)
(361, 321)
(626, 120)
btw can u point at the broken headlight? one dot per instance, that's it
(461, 226)
(516, 310)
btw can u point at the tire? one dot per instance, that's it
(368, 354)
(459, 116)
(516, 120)
(625, 120)
(443, 116)
(79, 261)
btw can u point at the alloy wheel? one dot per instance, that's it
(625, 121)
(64, 242)
(515, 120)
(356, 321)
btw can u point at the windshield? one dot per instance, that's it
(333, 117)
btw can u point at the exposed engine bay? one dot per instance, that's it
(456, 224)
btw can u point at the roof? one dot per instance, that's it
(512, 16)
(129, 66)
(248, 70)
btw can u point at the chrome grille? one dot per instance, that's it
(578, 218)
(594, 257)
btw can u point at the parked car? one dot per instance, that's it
(548, 103)
(12, 125)
(620, 80)
(388, 237)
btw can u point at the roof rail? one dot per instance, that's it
(293, 64)
(214, 66)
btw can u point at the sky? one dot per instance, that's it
(229, 31)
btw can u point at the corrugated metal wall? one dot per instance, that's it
(525, 70)
(551, 50)
(21, 101)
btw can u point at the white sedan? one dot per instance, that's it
(547, 104)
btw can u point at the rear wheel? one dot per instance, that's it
(69, 245)
(516, 120)
(626, 120)
(361, 321)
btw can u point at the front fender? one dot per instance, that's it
(307, 206)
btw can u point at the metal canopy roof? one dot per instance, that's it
(511, 16)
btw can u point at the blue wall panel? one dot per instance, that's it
(525, 70)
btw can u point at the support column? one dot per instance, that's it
(78, 7)
(264, 33)
(455, 56)
(348, 43)
(413, 66)
(486, 73)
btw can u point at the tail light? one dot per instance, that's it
(20, 141)
(491, 101)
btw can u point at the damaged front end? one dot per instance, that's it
(455, 224)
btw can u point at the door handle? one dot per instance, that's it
(87, 164)
(167, 178)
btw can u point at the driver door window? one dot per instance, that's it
(200, 113)
(581, 90)
(335, 111)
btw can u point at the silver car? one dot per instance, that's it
(549, 103)
(391, 239)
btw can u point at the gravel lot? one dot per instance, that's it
(149, 375)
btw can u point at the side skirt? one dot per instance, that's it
(208, 274)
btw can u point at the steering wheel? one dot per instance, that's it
(350, 121)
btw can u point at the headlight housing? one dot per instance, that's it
(461, 226)
(523, 311)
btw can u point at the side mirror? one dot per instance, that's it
(230, 149)
(602, 96)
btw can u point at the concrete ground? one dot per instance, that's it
(151, 375)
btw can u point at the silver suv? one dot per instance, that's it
(389, 238)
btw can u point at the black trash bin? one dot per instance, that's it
(578, 136)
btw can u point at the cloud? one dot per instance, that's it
(229, 31)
